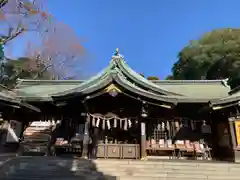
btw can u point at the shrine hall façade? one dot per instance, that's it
(128, 116)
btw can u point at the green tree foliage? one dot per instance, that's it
(153, 78)
(1, 51)
(169, 77)
(216, 55)
(3, 3)
(23, 68)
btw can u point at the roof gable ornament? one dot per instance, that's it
(225, 82)
(113, 90)
(117, 54)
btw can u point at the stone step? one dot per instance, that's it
(181, 174)
(166, 171)
(171, 168)
(149, 164)
(53, 168)
(130, 172)
(165, 166)
(175, 165)
(162, 163)
(120, 178)
(167, 178)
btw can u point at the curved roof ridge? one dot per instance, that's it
(222, 81)
(126, 69)
(88, 84)
(30, 82)
(234, 90)
(21, 82)
(225, 100)
(57, 80)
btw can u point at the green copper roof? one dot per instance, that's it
(118, 65)
(9, 97)
(141, 81)
(228, 99)
(116, 76)
(206, 89)
(235, 90)
(42, 89)
(119, 72)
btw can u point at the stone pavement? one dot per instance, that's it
(6, 157)
(50, 168)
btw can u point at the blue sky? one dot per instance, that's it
(148, 33)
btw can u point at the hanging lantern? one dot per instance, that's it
(144, 111)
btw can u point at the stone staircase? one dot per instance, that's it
(168, 170)
(52, 168)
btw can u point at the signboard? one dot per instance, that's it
(41, 123)
(237, 131)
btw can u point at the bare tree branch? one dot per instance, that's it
(58, 49)
(12, 36)
(20, 16)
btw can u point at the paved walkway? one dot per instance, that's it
(6, 157)
(51, 168)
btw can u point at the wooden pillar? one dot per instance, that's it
(143, 140)
(85, 139)
(232, 132)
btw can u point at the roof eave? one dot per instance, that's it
(114, 76)
(192, 100)
(143, 93)
(29, 106)
(19, 102)
(36, 98)
(85, 90)
(221, 102)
